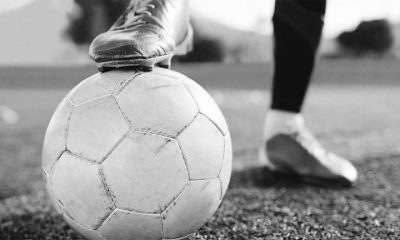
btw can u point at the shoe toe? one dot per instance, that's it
(343, 168)
(113, 45)
(138, 43)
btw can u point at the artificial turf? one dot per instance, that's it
(354, 111)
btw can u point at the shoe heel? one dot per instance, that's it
(264, 160)
(165, 63)
(186, 45)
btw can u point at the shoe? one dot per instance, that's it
(296, 151)
(148, 34)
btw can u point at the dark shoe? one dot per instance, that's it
(148, 34)
(298, 152)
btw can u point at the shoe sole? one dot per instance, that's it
(307, 179)
(148, 64)
(140, 64)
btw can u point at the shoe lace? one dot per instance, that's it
(138, 12)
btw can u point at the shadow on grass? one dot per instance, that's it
(258, 176)
(9, 191)
(263, 177)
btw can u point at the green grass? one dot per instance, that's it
(353, 109)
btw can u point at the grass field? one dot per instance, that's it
(354, 109)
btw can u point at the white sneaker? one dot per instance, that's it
(293, 149)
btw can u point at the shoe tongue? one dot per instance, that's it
(156, 8)
(152, 11)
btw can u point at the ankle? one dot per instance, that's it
(279, 121)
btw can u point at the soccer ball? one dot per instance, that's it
(137, 155)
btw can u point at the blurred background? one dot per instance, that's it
(57, 32)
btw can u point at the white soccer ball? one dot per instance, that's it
(134, 155)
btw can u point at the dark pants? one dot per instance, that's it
(297, 31)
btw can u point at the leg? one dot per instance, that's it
(297, 30)
(289, 146)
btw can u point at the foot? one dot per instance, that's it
(291, 148)
(149, 33)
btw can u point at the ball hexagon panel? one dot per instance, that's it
(99, 85)
(226, 170)
(125, 225)
(202, 145)
(145, 172)
(88, 233)
(192, 208)
(80, 190)
(156, 103)
(206, 104)
(95, 128)
(55, 140)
